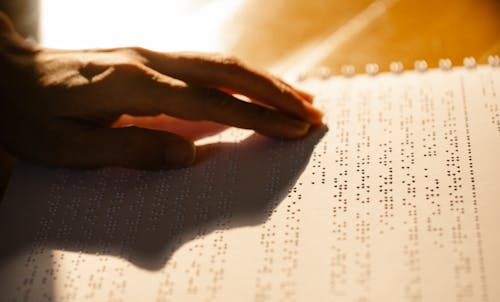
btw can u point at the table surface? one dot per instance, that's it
(333, 33)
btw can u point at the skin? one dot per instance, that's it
(78, 108)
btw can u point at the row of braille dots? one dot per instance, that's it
(428, 125)
(361, 179)
(318, 168)
(398, 67)
(408, 204)
(342, 224)
(272, 235)
(453, 160)
(178, 207)
(463, 212)
(338, 269)
(495, 115)
(201, 209)
(385, 186)
(429, 149)
(363, 156)
(362, 254)
(456, 199)
(135, 208)
(406, 175)
(290, 241)
(92, 209)
(33, 273)
(219, 244)
(341, 156)
(55, 202)
(384, 157)
(158, 204)
(219, 247)
(432, 186)
(290, 235)
(216, 267)
(203, 249)
(472, 179)
(432, 193)
(98, 278)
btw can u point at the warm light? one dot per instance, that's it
(160, 25)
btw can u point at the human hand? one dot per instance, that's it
(58, 106)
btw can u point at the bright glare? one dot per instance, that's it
(155, 24)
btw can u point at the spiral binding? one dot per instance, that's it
(445, 64)
(494, 61)
(397, 67)
(421, 65)
(371, 69)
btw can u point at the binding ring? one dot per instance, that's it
(348, 70)
(445, 64)
(469, 62)
(421, 65)
(396, 67)
(371, 68)
(301, 77)
(324, 72)
(494, 60)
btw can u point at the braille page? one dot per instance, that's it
(395, 199)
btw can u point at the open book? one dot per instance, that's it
(397, 198)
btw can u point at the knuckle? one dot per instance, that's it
(125, 72)
(136, 54)
(129, 52)
(229, 61)
(133, 50)
(232, 61)
(128, 67)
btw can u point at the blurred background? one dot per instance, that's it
(285, 36)
(272, 33)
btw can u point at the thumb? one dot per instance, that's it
(131, 147)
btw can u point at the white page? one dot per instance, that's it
(395, 200)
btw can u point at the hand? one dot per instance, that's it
(58, 106)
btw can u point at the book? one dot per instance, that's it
(396, 198)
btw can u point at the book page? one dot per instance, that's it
(395, 199)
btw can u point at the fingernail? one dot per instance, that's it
(295, 129)
(314, 115)
(306, 95)
(303, 130)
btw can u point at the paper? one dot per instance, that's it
(396, 199)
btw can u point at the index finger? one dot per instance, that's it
(229, 73)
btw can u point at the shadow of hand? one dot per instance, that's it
(144, 216)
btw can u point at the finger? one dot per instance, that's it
(304, 94)
(229, 73)
(199, 103)
(244, 98)
(191, 130)
(86, 146)
(222, 108)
